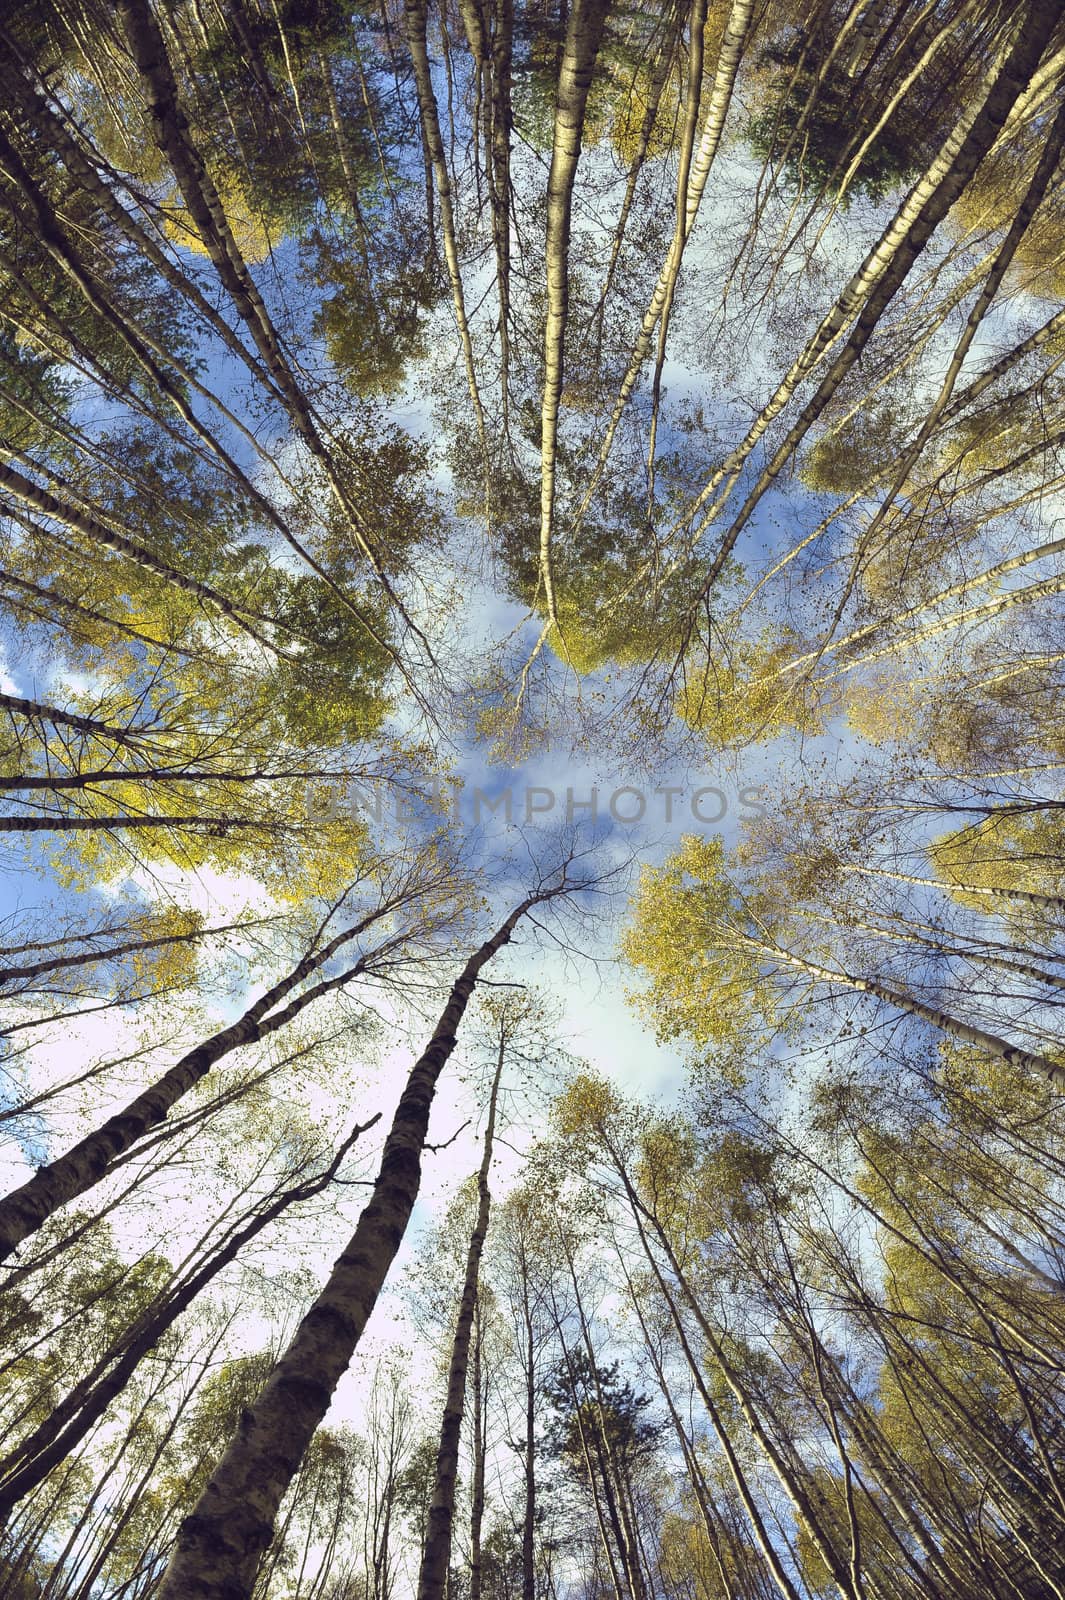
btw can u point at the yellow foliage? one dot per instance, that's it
(255, 233)
(169, 965)
(882, 708)
(703, 985)
(585, 1107)
(909, 559)
(631, 109)
(1004, 851)
(599, 621)
(688, 1562)
(845, 458)
(991, 200)
(743, 697)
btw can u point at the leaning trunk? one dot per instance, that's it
(60, 1181)
(220, 1543)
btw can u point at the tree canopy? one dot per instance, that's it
(531, 960)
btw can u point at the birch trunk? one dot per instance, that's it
(141, 343)
(89, 527)
(81, 167)
(697, 1369)
(220, 1543)
(728, 61)
(415, 14)
(967, 1032)
(528, 1521)
(1031, 897)
(583, 35)
(975, 614)
(71, 1420)
(882, 274)
(37, 711)
(35, 969)
(436, 1554)
(1033, 199)
(480, 1451)
(170, 130)
(862, 635)
(116, 824)
(58, 1182)
(972, 954)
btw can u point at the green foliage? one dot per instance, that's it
(599, 1417)
(815, 141)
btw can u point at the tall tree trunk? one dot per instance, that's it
(882, 274)
(612, 1476)
(92, 529)
(58, 1182)
(1031, 897)
(583, 35)
(974, 954)
(528, 1521)
(592, 1458)
(49, 601)
(35, 711)
(803, 1506)
(142, 343)
(416, 23)
(696, 1368)
(860, 636)
(728, 61)
(65, 1428)
(662, 69)
(1034, 195)
(436, 1554)
(40, 115)
(967, 1032)
(222, 1540)
(120, 824)
(36, 969)
(171, 132)
(480, 1452)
